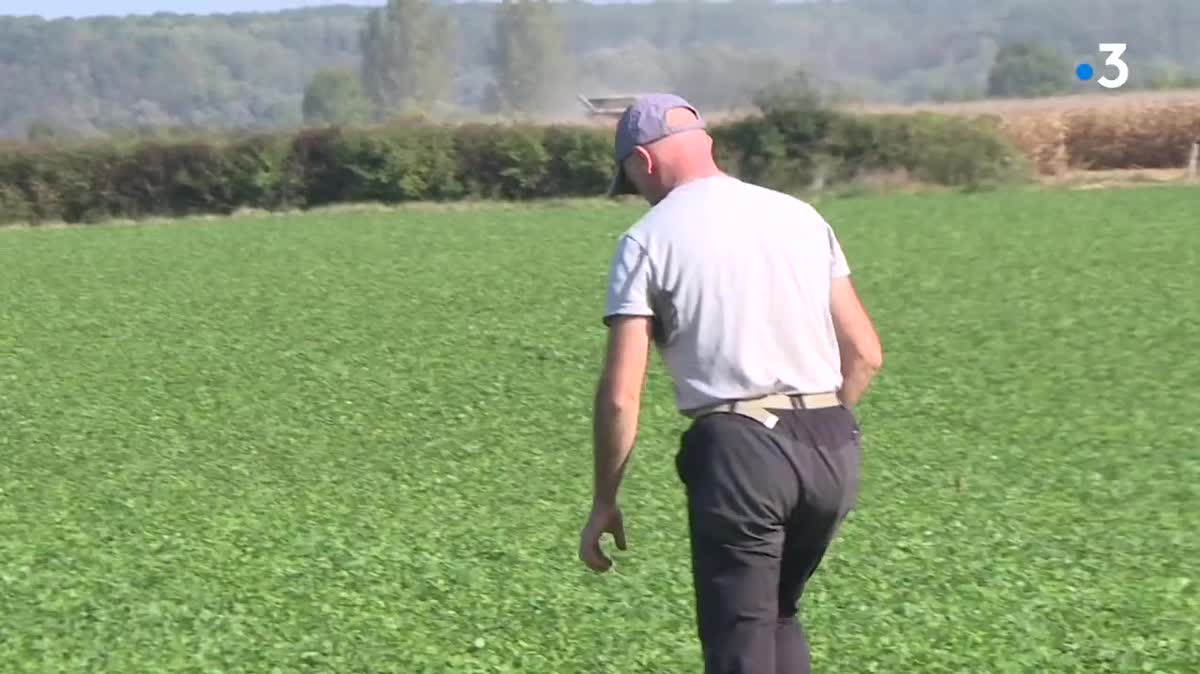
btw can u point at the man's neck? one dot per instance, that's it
(701, 174)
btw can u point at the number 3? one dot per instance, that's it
(1114, 51)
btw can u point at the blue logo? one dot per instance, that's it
(1085, 72)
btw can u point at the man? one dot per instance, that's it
(746, 294)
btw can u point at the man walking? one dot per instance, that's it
(746, 294)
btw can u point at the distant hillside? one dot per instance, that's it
(249, 71)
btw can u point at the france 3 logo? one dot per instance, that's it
(1115, 50)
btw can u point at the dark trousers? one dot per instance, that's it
(763, 506)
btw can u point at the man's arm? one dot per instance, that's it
(618, 398)
(617, 404)
(862, 355)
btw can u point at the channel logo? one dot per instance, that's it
(1115, 50)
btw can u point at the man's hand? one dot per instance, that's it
(603, 520)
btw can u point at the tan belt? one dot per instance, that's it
(759, 409)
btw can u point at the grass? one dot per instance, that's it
(360, 443)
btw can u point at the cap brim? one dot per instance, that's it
(620, 184)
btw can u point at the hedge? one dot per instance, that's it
(94, 181)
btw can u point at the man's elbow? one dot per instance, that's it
(868, 360)
(613, 400)
(873, 360)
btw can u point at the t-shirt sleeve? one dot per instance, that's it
(628, 281)
(838, 267)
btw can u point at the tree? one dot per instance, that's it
(1028, 70)
(408, 60)
(250, 70)
(797, 108)
(792, 93)
(530, 60)
(721, 77)
(335, 97)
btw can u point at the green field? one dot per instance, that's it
(360, 442)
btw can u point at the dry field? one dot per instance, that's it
(1135, 131)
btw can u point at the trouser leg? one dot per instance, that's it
(791, 648)
(736, 605)
(827, 460)
(740, 490)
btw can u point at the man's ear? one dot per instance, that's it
(644, 154)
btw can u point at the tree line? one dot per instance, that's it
(409, 68)
(798, 142)
(144, 75)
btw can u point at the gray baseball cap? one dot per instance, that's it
(643, 123)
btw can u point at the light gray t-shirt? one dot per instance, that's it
(736, 278)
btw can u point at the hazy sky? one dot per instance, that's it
(57, 8)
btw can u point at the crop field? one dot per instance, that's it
(1093, 132)
(356, 442)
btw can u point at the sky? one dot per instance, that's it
(61, 8)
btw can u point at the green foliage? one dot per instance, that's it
(532, 69)
(14, 207)
(360, 443)
(797, 110)
(799, 141)
(388, 164)
(578, 162)
(394, 165)
(1026, 70)
(335, 96)
(509, 164)
(67, 183)
(175, 179)
(259, 172)
(796, 142)
(1165, 77)
(936, 149)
